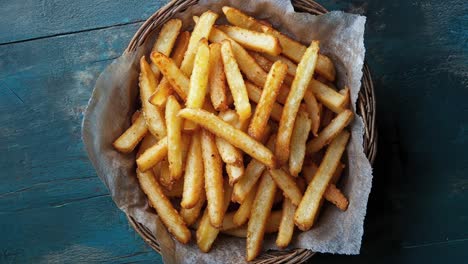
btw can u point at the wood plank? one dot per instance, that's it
(30, 19)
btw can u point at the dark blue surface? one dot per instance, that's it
(53, 208)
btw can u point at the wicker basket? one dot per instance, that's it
(365, 108)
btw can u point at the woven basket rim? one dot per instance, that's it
(365, 107)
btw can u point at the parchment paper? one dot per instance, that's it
(114, 100)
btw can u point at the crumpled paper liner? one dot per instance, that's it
(114, 99)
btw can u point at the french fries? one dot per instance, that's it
(132, 136)
(330, 132)
(298, 142)
(153, 116)
(202, 30)
(307, 210)
(235, 81)
(217, 79)
(253, 40)
(169, 216)
(234, 136)
(227, 91)
(260, 211)
(268, 98)
(198, 80)
(213, 178)
(305, 70)
(164, 88)
(165, 41)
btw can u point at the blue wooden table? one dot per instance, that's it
(53, 208)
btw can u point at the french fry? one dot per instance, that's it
(164, 88)
(298, 142)
(213, 172)
(198, 80)
(267, 100)
(259, 216)
(174, 138)
(232, 118)
(235, 81)
(292, 67)
(338, 172)
(234, 136)
(330, 132)
(305, 70)
(347, 94)
(153, 116)
(255, 94)
(287, 183)
(168, 215)
(327, 117)
(243, 212)
(132, 136)
(153, 155)
(194, 180)
(271, 226)
(202, 30)
(176, 191)
(186, 139)
(286, 228)
(148, 141)
(135, 115)
(206, 233)
(165, 41)
(313, 109)
(329, 97)
(190, 215)
(228, 222)
(265, 63)
(290, 48)
(253, 40)
(308, 172)
(229, 153)
(165, 175)
(307, 210)
(336, 197)
(177, 79)
(251, 175)
(217, 79)
(235, 172)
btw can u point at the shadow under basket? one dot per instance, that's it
(365, 108)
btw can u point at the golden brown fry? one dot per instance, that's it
(347, 94)
(243, 213)
(287, 183)
(262, 61)
(206, 233)
(291, 48)
(153, 116)
(292, 67)
(235, 81)
(213, 172)
(330, 132)
(165, 175)
(194, 180)
(298, 142)
(135, 115)
(336, 197)
(165, 41)
(251, 175)
(313, 109)
(235, 172)
(168, 215)
(228, 222)
(177, 79)
(267, 100)
(271, 226)
(191, 215)
(202, 30)
(253, 40)
(198, 80)
(153, 155)
(255, 94)
(174, 138)
(307, 210)
(164, 88)
(305, 70)
(132, 136)
(234, 136)
(328, 96)
(286, 228)
(259, 216)
(217, 79)
(148, 141)
(337, 173)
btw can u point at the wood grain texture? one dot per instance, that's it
(54, 209)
